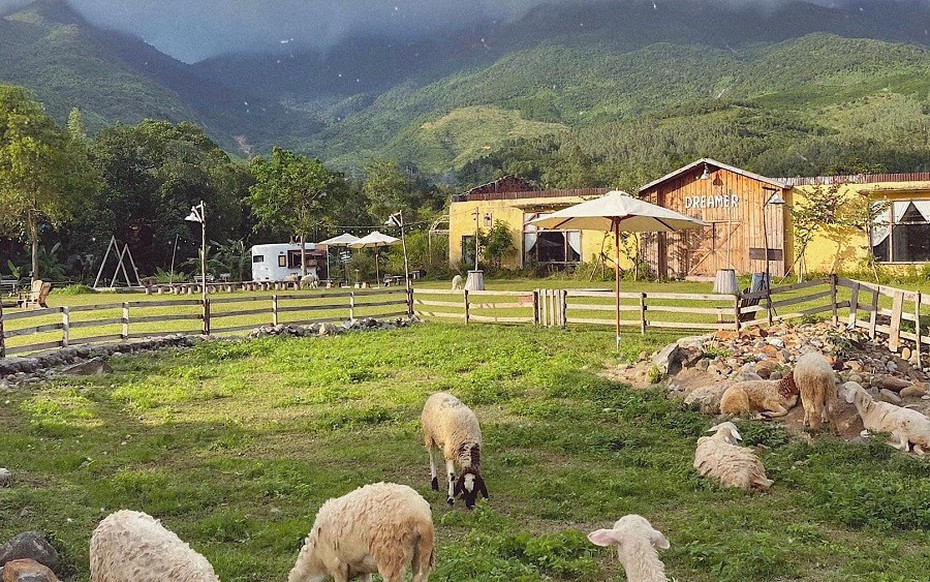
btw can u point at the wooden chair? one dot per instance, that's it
(37, 294)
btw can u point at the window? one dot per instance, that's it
(468, 249)
(258, 258)
(903, 234)
(549, 246)
(282, 261)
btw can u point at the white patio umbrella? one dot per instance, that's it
(343, 240)
(618, 211)
(375, 240)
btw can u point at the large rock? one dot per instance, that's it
(92, 367)
(33, 546)
(27, 571)
(913, 391)
(889, 396)
(892, 383)
(707, 398)
(4, 477)
(673, 358)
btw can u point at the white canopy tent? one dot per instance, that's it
(343, 240)
(375, 240)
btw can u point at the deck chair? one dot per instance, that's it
(37, 294)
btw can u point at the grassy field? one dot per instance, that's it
(236, 444)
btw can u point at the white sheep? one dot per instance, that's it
(378, 528)
(637, 544)
(905, 426)
(129, 546)
(457, 283)
(310, 281)
(718, 458)
(453, 428)
(817, 385)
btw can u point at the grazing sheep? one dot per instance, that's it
(310, 281)
(457, 283)
(129, 546)
(905, 426)
(453, 428)
(718, 458)
(637, 544)
(378, 528)
(817, 384)
(768, 398)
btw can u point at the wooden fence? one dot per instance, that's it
(56, 327)
(889, 313)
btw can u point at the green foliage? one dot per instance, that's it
(75, 290)
(496, 244)
(231, 257)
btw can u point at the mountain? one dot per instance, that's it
(49, 48)
(591, 78)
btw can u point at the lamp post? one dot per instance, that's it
(199, 214)
(775, 199)
(397, 219)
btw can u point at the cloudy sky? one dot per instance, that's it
(191, 30)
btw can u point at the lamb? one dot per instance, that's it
(310, 281)
(129, 546)
(376, 528)
(637, 544)
(453, 428)
(457, 283)
(769, 398)
(719, 458)
(707, 398)
(905, 426)
(817, 384)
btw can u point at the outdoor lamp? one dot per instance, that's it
(199, 214)
(705, 175)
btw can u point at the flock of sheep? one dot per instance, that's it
(385, 527)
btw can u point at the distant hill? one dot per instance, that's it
(614, 80)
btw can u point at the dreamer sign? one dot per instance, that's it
(719, 201)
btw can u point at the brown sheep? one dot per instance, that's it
(768, 398)
(817, 384)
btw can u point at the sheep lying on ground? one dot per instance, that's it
(905, 426)
(707, 398)
(768, 398)
(637, 544)
(718, 458)
(817, 384)
(453, 428)
(457, 283)
(128, 546)
(378, 528)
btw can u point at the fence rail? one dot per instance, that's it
(57, 327)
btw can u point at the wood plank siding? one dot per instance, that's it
(733, 203)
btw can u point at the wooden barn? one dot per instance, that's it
(743, 211)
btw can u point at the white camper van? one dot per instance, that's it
(276, 262)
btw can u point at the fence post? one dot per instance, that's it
(465, 298)
(642, 313)
(918, 299)
(833, 298)
(873, 317)
(535, 307)
(2, 335)
(206, 316)
(65, 326)
(351, 305)
(563, 302)
(274, 309)
(854, 305)
(125, 320)
(410, 302)
(737, 313)
(894, 339)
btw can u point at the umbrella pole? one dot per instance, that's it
(617, 277)
(377, 269)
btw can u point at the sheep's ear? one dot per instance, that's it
(459, 486)
(659, 541)
(714, 428)
(481, 486)
(604, 537)
(735, 434)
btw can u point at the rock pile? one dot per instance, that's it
(29, 556)
(327, 328)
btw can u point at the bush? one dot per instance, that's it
(75, 290)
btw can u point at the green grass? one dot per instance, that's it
(235, 445)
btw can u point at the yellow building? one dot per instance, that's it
(750, 233)
(516, 202)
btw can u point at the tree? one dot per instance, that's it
(289, 191)
(154, 172)
(497, 244)
(392, 187)
(44, 176)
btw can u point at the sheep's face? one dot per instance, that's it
(469, 486)
(849, 390)
(728, 430)
(626, 530)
